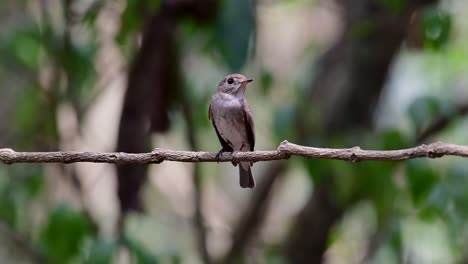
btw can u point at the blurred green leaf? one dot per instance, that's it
(273, 255)
(375, 181)
(392, 139)
(100, 252)
(396, 6)
(233, 32)
(363, 29)
(26, 46)
(30, 127)
(8, 208)
(176, 260)
(92, 12)
(28, 106)
(316, 168)
(421, 178)
(133, 18)
(396, 240)
(449, 198)
(437, 25)
(79, 65)
(283, 122)
(64, 233)
(33, 184)
(423, 110)
(266, 81)
(140, 253)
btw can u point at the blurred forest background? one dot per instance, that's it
(132, 75)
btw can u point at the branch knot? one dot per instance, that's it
(355, 154)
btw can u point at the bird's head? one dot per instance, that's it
(234, 84)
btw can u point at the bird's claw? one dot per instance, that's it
(221, 152)
(218, 155)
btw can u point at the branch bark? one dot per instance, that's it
(284, 151)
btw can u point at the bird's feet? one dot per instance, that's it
(221, 152)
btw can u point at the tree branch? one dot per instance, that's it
(442, 122)
(284, 151)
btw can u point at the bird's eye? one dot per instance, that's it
(230, 81)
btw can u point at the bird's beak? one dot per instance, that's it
(247, 80)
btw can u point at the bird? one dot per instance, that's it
(233, 122)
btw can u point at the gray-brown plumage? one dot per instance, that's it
(232, 119)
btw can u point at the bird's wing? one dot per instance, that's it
(249, 124)
(223, 142)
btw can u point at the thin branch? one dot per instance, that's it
(442, 122)
(284, 151)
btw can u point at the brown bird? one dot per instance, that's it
(232, 119)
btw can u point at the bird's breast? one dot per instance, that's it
(228, 117)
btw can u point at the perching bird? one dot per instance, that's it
(232, 119)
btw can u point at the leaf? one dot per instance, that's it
(392, 139)
(436, 26)
(420, 178)
(25, 46)
(28, 125)
(374, 180)
(363, 29)
(423, 110)
(396, 6)
(63, 235)
(233, 31)
(266, 81)
(283, 122)
(272, 255)
(8, 209)
(448, 200)
(140, 253)
(133, 18)
(100, 252)
(33, 184)
(78, 61)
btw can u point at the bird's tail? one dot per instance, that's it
(246, 177)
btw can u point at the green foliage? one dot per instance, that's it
(64, 234)
(396, 6)
(22, 48)
(272, 255)
(30, 127)
(363, 29)
(396, 241)
(18, 186)
(437, 25)
(423, 111)
(8, 211)
(25, 47)
(140, 253)
(392, 139)
(266, 81)
(233, 31)
(421, 178)
(283, 123)
(78, 62)
(133, 19)
(100, 252)
(450, 194)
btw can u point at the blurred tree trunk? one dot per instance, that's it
(349, 81)
(153, 85)
(147, 98)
